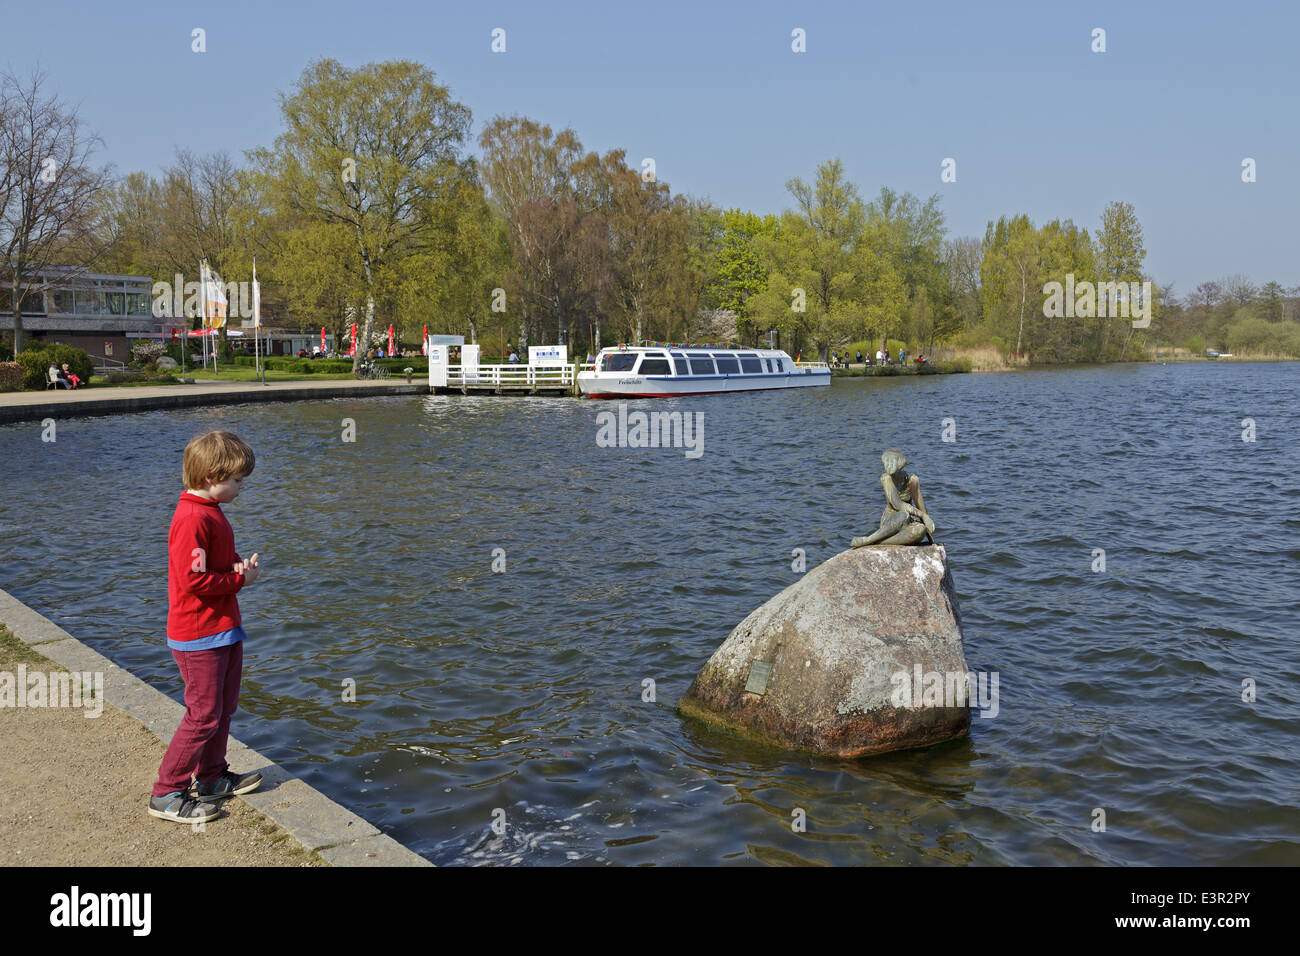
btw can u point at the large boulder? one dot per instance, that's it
(845, 661)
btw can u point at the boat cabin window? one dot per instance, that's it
(727, 365)
(654, 363)
(702, 365)
(778, 365)
(618, 362)
(679, 363)
(749, 364)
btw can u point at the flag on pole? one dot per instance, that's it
(424, 348)
(390, 341)
(257, 299)
(353, 350)
(322, 340)
(214, 298)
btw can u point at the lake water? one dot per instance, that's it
(522, 690)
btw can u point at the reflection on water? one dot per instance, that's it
(521, 691)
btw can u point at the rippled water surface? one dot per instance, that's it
(522, 690)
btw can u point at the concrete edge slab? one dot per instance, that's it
(316, 822)
(30, 627)
(94, 406)
(381, 850)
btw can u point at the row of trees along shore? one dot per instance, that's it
(370, 208)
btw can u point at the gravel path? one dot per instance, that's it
(75, 787)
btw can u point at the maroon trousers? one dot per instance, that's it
(211, 695)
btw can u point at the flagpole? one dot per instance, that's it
(257, 324)
(203, 316)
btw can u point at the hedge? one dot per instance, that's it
(37, 358)
(139, 375)
(11, 376)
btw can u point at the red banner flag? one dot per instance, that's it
(354, 339)
(390, 341)
(322, 341)
(424, 347)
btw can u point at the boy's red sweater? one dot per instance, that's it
(201, 586)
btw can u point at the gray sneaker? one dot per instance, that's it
(229, 784)
(179, 807)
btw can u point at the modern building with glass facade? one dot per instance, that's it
(100, 314)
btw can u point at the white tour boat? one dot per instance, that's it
(663, 371)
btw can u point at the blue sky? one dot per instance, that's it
(1036, 121)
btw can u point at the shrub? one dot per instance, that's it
(11, 376)
(6, 352)
(1249, 335)
(147, 353)
(127, 375)
(418, 363)
(38, 357)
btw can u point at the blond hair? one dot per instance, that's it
(217, 455)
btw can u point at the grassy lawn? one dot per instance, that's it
(227, 373)
(242, 373)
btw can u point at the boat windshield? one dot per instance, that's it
(618, 362)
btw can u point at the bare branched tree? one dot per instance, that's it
(49, 192)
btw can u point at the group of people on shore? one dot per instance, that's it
(379, 352)
(841, 359)
(64, 377)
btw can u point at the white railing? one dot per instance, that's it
(517, 376)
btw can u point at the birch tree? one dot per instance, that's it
(371, 150)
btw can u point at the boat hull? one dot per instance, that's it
(620, 385)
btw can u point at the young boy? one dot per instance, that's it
(203, 630)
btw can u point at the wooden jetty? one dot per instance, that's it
(513, 379)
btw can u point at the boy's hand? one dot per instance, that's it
(249, 568)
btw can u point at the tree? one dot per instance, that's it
(1009, 275)
(1065, 250)
(736, 272)
(1271, 301)
(1120, 249)
(526, 166)
(1120, 255)
(910, 234)
(814, 262)
(647, 232)
(50, 192)
(130, 211)
(961, 259)
(369, 150)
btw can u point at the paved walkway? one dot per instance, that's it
(75, 788)
(34, 406)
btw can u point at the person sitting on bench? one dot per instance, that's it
(54, 378)
(73, 378)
